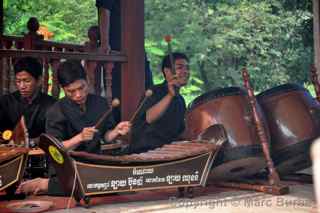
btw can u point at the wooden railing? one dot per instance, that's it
(129, 36)
(50, 54)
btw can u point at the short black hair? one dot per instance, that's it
(30, 65)
(69, 71)
(166, 63)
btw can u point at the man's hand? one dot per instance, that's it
(87, 133)
(34, 186)
(123, 127)
(173, 85)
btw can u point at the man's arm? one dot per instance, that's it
(157, 110)
(121, 129)
(85, 135)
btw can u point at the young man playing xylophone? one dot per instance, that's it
(73, 120)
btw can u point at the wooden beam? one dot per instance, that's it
(316, 34)
(132, 72)
(63, 55)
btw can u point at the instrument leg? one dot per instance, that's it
(190, 191)
(86, 200)
(181, 192)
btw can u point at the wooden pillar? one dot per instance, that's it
(1, 18)
(132, 72)
(1, 60)
(316, 34)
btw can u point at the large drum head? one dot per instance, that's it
(293, 121)
(231, 108)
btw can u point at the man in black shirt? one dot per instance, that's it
(161, 119)
(72, 120)
(27, 101)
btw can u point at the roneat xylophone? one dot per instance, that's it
(176, 165)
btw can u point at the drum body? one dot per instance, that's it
(293, 120)
(242, 155)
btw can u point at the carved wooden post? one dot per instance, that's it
(1, 46)
(12, 85)
(55, 89)
(45, 77)
(7, 69)
(108, 87)
(1, 75)
(315, 81)
(1, 65)
(273, 174)
(91, 66)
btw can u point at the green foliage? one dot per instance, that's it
(221, 37)
(69, 20)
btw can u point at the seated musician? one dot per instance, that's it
(72, 121)
(161, 119)
(27, 101)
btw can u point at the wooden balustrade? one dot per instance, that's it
(50, 54)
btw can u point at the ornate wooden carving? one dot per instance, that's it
(45, 76)
(55, 89)
(91, 69)
(273, 174)
(108, 77)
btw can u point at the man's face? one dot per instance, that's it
(77, 91)
(26, 84)
(182, 71)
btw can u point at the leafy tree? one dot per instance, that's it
(271, 37)
(223, 36)
(69, 20)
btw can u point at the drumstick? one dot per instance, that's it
(148, 93)
(168, 39)
(115, 103)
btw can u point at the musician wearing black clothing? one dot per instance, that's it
(161, 119)
(27, 101)
(72, 120)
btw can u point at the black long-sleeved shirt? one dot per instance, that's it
(166, 129)
(65, 119)
(13, 106)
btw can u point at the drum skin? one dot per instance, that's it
(242, 155)
(293, 120)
